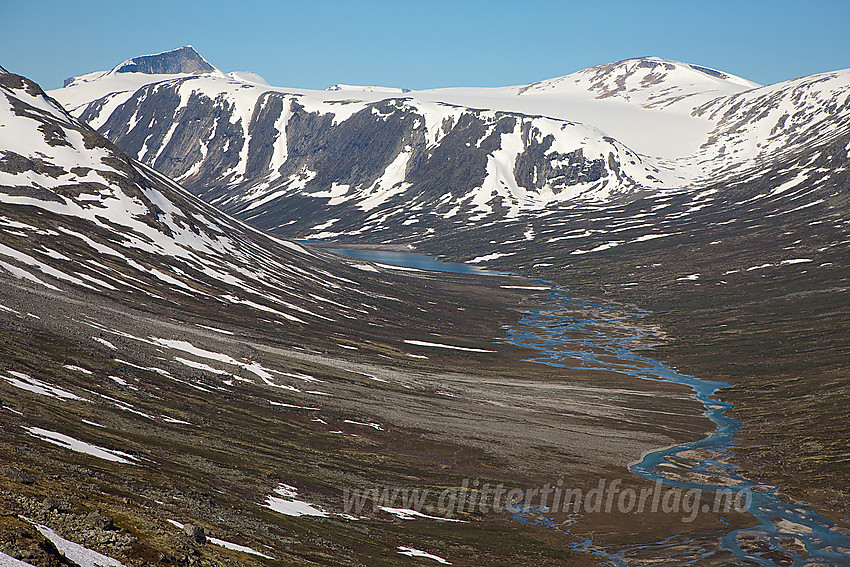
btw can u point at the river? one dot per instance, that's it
(407, 259)
(573, 333)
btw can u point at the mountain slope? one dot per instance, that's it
(650, 82)
(266, 144)
(767, 127)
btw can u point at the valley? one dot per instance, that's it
(168, 367)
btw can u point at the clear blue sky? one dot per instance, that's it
(427, 43)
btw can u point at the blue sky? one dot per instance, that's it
(427, 43)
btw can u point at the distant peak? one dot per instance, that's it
(656, 64)
(183, 60)
(647, 62)
(649, 81)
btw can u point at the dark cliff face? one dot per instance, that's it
(167, 136)
(182, 60)
(535, 168)
(354, 152)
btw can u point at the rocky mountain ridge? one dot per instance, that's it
(343, 163)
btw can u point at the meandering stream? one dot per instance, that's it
(573, 333)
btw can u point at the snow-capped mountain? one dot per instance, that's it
(647, 81)
(370, 154)
(344, 161)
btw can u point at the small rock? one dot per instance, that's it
(100, 521)
(22, 533)
(50, 504)
(18, 475)
(196, 533)
(23, 554)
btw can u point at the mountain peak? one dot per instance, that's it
(660, 66)
(181, 61)
(647, 81)
(176, 61)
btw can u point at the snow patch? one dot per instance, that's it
(411, 552)
(82, 556)
(287, 504)
(25, 382)
(441, 345)
(81, 446)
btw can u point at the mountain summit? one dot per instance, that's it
(647, 81)
(181, 61)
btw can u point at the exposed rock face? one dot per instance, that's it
(536, 168)
(182, 60)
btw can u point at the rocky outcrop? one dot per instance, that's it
(182, 60)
